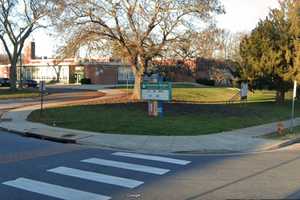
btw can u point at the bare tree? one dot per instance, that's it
(219, 76)
(229, 45)
(195, 44)
(18, 19)
(56, 65)
(138, 29)
(61, 55)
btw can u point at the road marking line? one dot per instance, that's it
(56, 191)
(129, 166)
(154, 158)
(97, 177)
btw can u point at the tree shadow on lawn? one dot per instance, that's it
(178, 118)
(226, 110)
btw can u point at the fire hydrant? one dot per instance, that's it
(280, 128)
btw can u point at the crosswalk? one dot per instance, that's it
(124, 165)
(58, 191)
(154, 158)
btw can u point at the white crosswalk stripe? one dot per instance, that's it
(128, 166)
(153, 158)
(97, 177)
(66, 193)
(54, 190)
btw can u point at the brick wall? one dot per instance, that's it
(29, 53)
(101, 75)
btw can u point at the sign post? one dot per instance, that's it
(156, 93)
(293, 106)
(42, 88)
(244, 91)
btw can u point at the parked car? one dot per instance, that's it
(30, 83)
(4, 82)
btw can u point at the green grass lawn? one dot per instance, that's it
(187, 85)
(204, 111)
(204, 95)
(8, 94)
(215, 95)
(191, 93)
(174, 85)
(179, 119)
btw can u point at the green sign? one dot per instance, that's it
(157, 91)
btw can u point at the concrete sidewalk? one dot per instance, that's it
(95, 87)
(100, 87)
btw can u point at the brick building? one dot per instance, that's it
(222, 72)
(105, 70)
(71, 70)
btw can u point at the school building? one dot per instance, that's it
(71, 70)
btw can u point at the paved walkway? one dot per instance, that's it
(101, 87)
(242, 140)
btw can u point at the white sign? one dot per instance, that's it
(156, 91)
(244, 89)
(295, 89)
(162, 95)
(42, 86)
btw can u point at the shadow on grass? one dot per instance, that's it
(178, 119)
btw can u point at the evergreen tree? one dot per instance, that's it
(271, 52)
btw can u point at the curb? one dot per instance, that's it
(198, 152)
(39, 136)
(283, 144)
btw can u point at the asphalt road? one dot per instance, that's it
(54, 95)
(32, 169)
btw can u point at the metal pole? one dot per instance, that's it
(293, 107)
(21, 72)
(42, 102)
(127, 82)
(42, 90)
(293, 115)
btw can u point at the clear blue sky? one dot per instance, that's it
(241, 16)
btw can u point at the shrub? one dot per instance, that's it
(206, 82)
(85, 81)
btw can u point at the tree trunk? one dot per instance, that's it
(280, 96)
(138, 67)
(58, 74)
(137, 87)
(13, 76)
(57, 77)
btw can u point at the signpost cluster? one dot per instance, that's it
(155, 93)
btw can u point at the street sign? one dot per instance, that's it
(156, 91)
(244, 90)
(42, 86)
